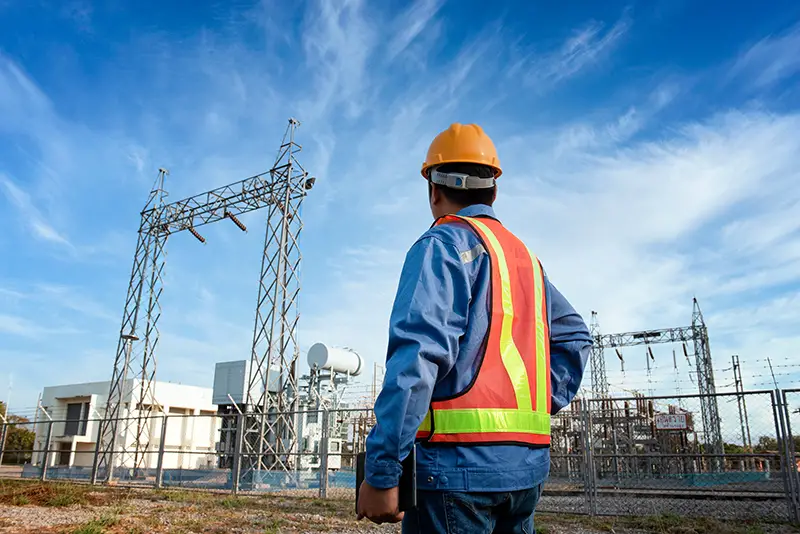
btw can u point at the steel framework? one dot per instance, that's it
(281, 190)
(270, 425)
(697, 333)
(598, 362)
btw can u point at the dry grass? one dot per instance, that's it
(28, 506)
(58, 494)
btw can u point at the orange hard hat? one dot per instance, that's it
(462, 143)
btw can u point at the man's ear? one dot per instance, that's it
(435, 195)
(494, 193)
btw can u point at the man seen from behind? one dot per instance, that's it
(482, 351)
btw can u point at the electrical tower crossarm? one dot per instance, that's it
(234, 199)
(645, 337)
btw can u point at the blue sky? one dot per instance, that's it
(651, 153)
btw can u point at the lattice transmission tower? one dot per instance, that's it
(123, 438)
(270, 426)
(697, 334)
(597, 360)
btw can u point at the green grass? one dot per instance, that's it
(185, 496)
(274, 526)
(235, 502)
(97, 526)
(19, 500)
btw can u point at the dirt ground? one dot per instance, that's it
(28, 507)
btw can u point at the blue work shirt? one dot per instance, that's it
(437, 326)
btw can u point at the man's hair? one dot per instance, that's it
(466, 197)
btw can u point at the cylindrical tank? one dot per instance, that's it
(335, 359)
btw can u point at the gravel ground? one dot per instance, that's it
(36, 518)
(774, 510)
(188, 519)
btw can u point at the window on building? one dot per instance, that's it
(77, 419)
(334, 446)
(312, 417)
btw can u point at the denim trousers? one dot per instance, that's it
(508, 512)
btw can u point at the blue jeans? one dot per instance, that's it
(509, 512)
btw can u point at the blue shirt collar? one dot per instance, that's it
(477, 210)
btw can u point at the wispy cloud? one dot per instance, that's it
(75, 300)
(31, 215)
(338, 41)
(607, 133)
(770, 60)
(584, 48)
(10, 324)
(22, 104)
(637, 208)
(411, 23)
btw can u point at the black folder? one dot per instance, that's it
(408, 479)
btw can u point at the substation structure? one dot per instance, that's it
(622, 429)
(627, 441)
(270, 439)
(323, 420)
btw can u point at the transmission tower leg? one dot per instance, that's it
(147, 372)
(114, 428)
(707, 389)
(271, 420)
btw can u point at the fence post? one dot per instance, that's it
(588, 467)
(590, 451)
(3, 440)
(46, 459)
(97, 447)
(780, 433)
(791, 464)
(323, 455)
(585, 459)
(236, 468)
(160, 464)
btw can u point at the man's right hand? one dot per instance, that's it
(379, 505)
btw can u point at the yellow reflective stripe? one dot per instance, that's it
(491, 420)
(512, 360)
(426, 423)
(542, 374)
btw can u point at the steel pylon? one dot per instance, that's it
(270, 428)
(597, 359)
(123, 437)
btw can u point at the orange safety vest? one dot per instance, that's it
(508, 400)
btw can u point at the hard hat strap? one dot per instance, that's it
(457, 180)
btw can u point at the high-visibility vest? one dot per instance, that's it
(508, 401)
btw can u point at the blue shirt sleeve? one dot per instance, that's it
(570, 344)
(428, 318)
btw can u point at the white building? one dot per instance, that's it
(191, 432)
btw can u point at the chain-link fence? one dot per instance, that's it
(688, 455)
(725, 455)
(790, 400)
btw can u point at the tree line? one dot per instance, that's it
(19, 438)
